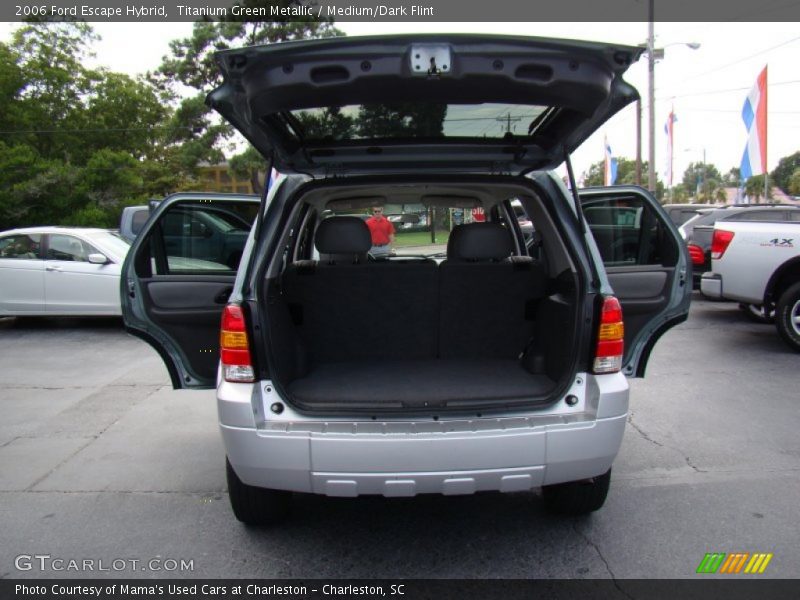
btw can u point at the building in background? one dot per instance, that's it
(220, 178)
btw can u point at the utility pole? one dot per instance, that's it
(639, 142)
(651, 93)
(508, 118)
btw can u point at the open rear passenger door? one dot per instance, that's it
(179, 275)
(647, 265)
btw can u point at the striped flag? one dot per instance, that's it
(610, 168)
(754, 114)
(669, 129)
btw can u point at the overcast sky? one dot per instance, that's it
(707, 87)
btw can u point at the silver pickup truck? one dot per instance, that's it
(758, 263)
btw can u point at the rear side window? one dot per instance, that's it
(24, 246)
(201, 238)
(627, 232)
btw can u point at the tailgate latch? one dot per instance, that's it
(433, 59)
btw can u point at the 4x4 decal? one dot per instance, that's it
(780, 242)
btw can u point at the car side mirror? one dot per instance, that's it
(98, 259)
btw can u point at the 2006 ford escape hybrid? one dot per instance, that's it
(498, 365)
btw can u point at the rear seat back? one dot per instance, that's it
(488, 298)
(345, 308)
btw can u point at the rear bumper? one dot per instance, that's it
(711, 285)
(403, 458)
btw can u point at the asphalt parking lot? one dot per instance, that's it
(100, 459)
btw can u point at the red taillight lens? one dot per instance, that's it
(234, 346)
(720, 242)
(696, 254)
(610, 336)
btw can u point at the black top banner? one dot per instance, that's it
(403, 10)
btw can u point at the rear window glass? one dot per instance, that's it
(681, 215)
(417, 229)
(413, 120)
(202, 237)
(758, 215)
(139, 219)
(627, 232)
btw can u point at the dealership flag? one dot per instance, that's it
(669, 129)
(754, 114)
(610, 171)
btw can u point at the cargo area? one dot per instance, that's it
(481, 324)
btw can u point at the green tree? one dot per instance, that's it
(679, 194)
(407, 119)
(329, 122)
(704, 182)
(785, 170)
(78, 142)
(754, 188)
(626, 175)
(197, 134)
(794, 183)
(733, 178)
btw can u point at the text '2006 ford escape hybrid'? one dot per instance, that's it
(494, 361)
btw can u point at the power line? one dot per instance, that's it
(736, 89)
(724, 110)
(106, 130)
(740, 60)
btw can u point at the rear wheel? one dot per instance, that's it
(577, 497)
(254, 505)
(787, 316)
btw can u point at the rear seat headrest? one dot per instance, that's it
(479, 242)
(343, 235)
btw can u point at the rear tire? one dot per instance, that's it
(577, 497)
(787, 317)
(254, 505)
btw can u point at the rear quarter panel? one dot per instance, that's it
(756, 251)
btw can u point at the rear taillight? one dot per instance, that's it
(234, 346)
(696, 254)
(720, 242)
(610, 346)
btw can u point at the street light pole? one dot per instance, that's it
(638, 142)
(653, 54)
(651, 109)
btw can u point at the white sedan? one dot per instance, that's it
(56, 271)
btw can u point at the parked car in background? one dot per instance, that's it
(133, 219)
(492, 370)
(57, 271)
(739, 212)
(759, 263)
(680, 213)
(206, 235)
(699, 230)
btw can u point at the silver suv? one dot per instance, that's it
(466, 359)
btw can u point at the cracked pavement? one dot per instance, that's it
(100, 458)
